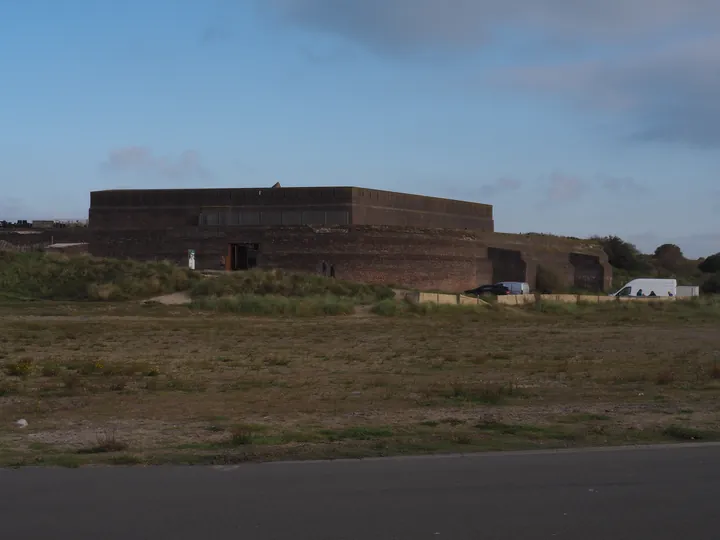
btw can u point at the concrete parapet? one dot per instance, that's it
(522, 299)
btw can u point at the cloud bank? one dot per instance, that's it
(141, 160)
(656, 62)
(401, 24)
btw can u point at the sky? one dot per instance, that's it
(571, 117)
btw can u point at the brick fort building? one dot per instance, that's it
(354, 233)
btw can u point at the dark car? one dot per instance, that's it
(486, 290)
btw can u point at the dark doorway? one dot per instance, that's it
(507, 265)
(242, 256)
(589, 273)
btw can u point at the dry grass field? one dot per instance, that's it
(124, 384)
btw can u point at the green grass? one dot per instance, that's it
(278, 283)
(699, 309)
(684, 433)
(273, 305)
(202, 387)
(393, 308)
(50, 276)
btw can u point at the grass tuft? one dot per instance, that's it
(21, 368)
(106, 443)
(689, 434)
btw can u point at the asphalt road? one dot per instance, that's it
(658, 494)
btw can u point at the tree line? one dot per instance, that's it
(667, 261)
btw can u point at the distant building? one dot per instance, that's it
(360, 234)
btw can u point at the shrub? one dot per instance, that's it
(711, 285)
(250, 304)
(279, 283)
(386, 308)
(669, 256)
(711, 265)
(622, 254)
(547, 281)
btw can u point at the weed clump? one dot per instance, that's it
(106, 443)
(21, 368)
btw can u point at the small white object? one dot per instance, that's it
(22, 423)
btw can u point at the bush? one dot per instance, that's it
(623, 255)
(670, 257)
(250, 304)
(711, 285)
(711, 265)
(279, 283)
(61, 277)
(547, 281)
(386, 308)
(391, 308)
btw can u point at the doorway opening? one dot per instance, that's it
(242, 256)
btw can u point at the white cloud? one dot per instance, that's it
(665, 73)
(693, 245)
(564, 188)
(670, 93)
(140, 160)
(622, 185)
(392, 25)
(501, 186)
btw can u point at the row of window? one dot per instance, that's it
(237, 218)
(419, 203)
(191, 197)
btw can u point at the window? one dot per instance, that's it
(213, 219)
(271, 218)
(234, 218)
(624, 292)
(250, 218)
(313, 217)
(292, 218)
(336, 217)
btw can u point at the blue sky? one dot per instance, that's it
(571, 117)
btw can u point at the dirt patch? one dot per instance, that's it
(174, 299)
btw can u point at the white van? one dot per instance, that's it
(648, 287)
(684, 291)
(516, 287)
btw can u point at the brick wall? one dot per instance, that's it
(376, 207)
(447, 260)
(160, 209)
(45, 236)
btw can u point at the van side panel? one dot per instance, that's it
(661, 287)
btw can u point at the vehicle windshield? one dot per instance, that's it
(625, 291)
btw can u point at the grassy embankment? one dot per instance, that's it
(38, 276)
